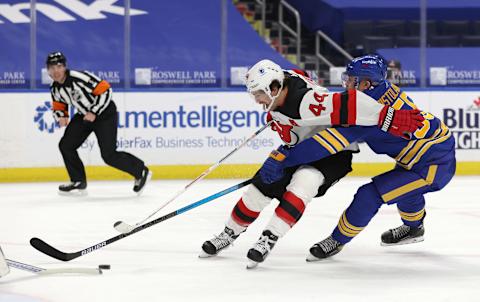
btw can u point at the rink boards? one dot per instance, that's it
(180, 134)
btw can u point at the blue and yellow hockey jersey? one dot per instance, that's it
(432, 143)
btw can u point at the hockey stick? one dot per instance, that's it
(42, 271)
(124, 227)
(49, 250)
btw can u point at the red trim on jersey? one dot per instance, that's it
(269, 117)
(337, 104)
(295, 201)
(293, 122)
(352, 107)
(273, 125)
(300, 72)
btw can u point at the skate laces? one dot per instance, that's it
(222, 240)
(264, 244)
(70, 184)
(401, 231)
(329, 244)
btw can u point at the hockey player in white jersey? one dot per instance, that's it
(300, 109)
(4, 269)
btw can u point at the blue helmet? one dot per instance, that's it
(368, 67)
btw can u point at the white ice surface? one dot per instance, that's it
(161, 264)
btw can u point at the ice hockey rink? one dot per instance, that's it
(161, 263)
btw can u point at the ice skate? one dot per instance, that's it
(213, 246)
(404, 234)
(324, 249)
(74, 188)
(261, 249)
(139, 184)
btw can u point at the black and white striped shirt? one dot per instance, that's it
(83, 90)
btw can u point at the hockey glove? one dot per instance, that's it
(273, 169)
(400, 123)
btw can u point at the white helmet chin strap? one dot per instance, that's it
(273, 98)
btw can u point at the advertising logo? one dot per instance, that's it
(153, 76)
(12, 78)
(216, 125)
(44, 118)
(465, 125)
(475, 105)
(111, 76)
(463, 77)
(60, 11)
(408, 77)
(207, 117)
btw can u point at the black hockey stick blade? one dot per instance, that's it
(46, 248)
(49, 250)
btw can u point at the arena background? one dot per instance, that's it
(177, 69)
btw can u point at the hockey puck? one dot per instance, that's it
(104, 266)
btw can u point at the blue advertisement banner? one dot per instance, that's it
(172, 43)
(445, 66)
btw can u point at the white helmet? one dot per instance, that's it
(261, 75)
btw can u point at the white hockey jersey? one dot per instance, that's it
(310, 108)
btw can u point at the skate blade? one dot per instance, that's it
(73, 193)
(149, 176)
(311, 258)
(252, 264)
(204, 255)
(403, 242)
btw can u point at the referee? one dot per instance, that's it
(96, 112)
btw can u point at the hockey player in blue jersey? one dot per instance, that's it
(299, 109)
(425, 162)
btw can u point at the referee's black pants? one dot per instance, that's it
(105, 128)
